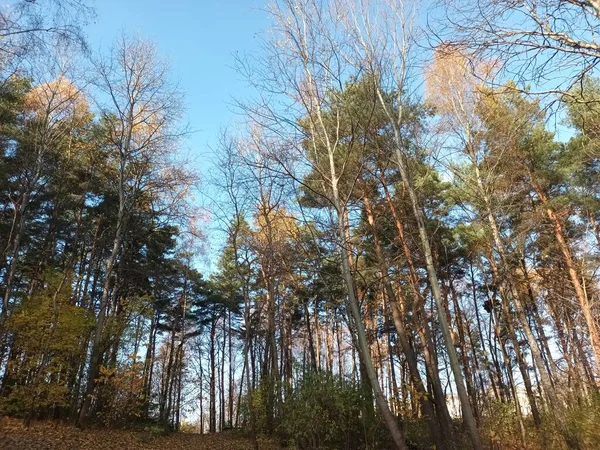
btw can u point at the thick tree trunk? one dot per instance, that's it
(309, 334)
(212, 404)
(363, 348)
(149, 364)
(230, 371)
(578, 285)
(467, 412)
(409, 353)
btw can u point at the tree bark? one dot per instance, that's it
(467, 412)
(411, 359)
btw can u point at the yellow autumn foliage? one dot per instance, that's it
(48, 330)
(275, 227)
(57, 101)
(454, 82)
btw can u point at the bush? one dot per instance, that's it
(47, 332)
(325, 412)
(579, 428)
(120, 389)
(500, 427)
(260, 407)
(583, 424)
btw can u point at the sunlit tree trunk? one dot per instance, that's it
(398, 319)
(418, 308)
(576, 279)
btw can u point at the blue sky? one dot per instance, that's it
(199, 38)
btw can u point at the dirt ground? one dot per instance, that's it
(51, 436)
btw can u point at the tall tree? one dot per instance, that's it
(141, 119)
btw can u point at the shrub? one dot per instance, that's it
(257, 407)
(579, 428)
(121, 389)
(583, 423)
(500, 426)
(47, 331)
(325, 412)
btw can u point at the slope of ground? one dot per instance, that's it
(51, 436)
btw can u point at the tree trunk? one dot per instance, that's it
(212, 406)
(411, 359)
(576, 281)
(467, 412)
(420, 315)
(97, 341)
(363, 348)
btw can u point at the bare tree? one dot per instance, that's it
(546, 46)
(30, 26)
(141, 110)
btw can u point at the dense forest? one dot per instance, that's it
(408, 214)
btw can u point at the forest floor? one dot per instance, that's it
(51, 436)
